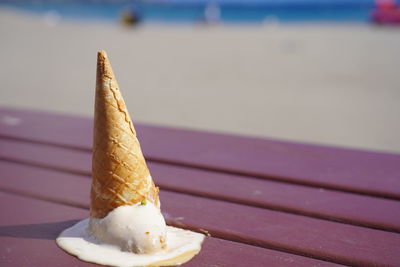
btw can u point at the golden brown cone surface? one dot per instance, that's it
(120, 174)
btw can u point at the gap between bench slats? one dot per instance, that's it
(321, 203)
(27, 239)
(342, 169)
(324, 240)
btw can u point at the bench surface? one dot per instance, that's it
(264, 202)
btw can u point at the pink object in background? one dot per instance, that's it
(386, 12)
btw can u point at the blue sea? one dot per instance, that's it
(194, 11)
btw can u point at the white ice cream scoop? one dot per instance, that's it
(138, 228)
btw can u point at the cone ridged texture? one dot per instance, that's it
(119, 171)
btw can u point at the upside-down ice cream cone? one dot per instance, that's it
(126, 226)
(120, 174)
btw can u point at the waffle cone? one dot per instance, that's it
(120, 174)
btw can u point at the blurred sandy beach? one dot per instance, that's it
(329, 84)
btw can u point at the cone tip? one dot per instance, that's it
(103, 65)
(102, 57)
(101, 54)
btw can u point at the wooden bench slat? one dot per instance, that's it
(330, 241)
(321, 203)
(47, 127)
(28, 232)
(55, 157)
(333, 205)
(343, 169)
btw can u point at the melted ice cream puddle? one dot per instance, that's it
(114, 239)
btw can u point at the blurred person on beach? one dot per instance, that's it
(131, 16)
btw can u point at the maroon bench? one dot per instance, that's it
(264, 202)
